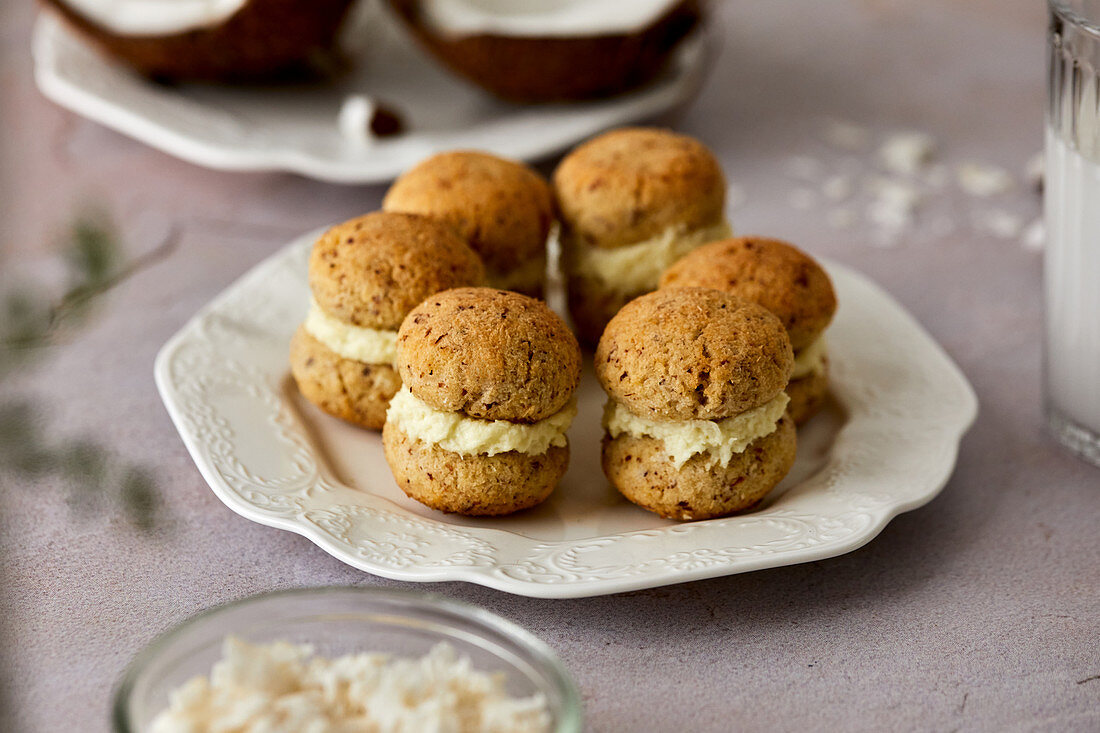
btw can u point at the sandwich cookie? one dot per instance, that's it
(695, 424)
(479, 426)
(786, 281)
(501, 208)
(366, 275)
(632, 202)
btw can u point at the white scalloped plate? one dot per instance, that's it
(294, 128)
(887, 444)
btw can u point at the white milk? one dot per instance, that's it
(1072, 282)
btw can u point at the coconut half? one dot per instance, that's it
(211, 40)
(537, 18)
(552, 50)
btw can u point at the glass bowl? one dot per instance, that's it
(340, 621)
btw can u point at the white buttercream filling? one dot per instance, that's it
(368, 345)
(155, 17)
(637, 267)
(470, 436)
(533, 18)
(720, 439)
(810, 360)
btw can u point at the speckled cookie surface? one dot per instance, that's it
(501, 208)
(630, 185)
(808, 395)
(472, 485)
(640, 470)
(351, 390)
(773, 273)
(693, 354)
(371, 271)
(490, 354)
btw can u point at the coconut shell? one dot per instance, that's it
(549, 69)
(265, 40)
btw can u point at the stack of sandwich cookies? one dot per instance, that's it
(696, 423)
(479, 426)
(632, 202)
(366, 275)
(501, 208)
(787, 282)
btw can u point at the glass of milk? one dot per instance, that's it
(1072, 210)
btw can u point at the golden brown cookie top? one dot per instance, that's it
(632, 184)
(502, 208)
(693, 354)
(769, 272)
(491, 354)
(371, 271)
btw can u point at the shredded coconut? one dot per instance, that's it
(907, 153)
(893, 205)
(978, 179)
(1034, 237)
(282, 688)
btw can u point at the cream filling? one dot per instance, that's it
(637, 267)
(155, 17)
(720, 439)
(470, 436)
(368, 345)
(534, 18)
(810, 360)
(528, 276)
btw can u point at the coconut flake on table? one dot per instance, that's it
(1034, 237)
(979, 179)
(155, 17)
(555, 18)
(354, 119)
(893, 204)
(907, 153)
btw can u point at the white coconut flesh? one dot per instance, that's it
(155, 17)
(542, 18)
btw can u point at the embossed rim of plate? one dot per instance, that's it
(907, 406)
(95, 88)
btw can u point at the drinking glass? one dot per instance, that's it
(1071, 271)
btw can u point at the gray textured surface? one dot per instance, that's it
(980, 611)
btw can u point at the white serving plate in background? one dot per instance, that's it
(293, 128)
(886, 444)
